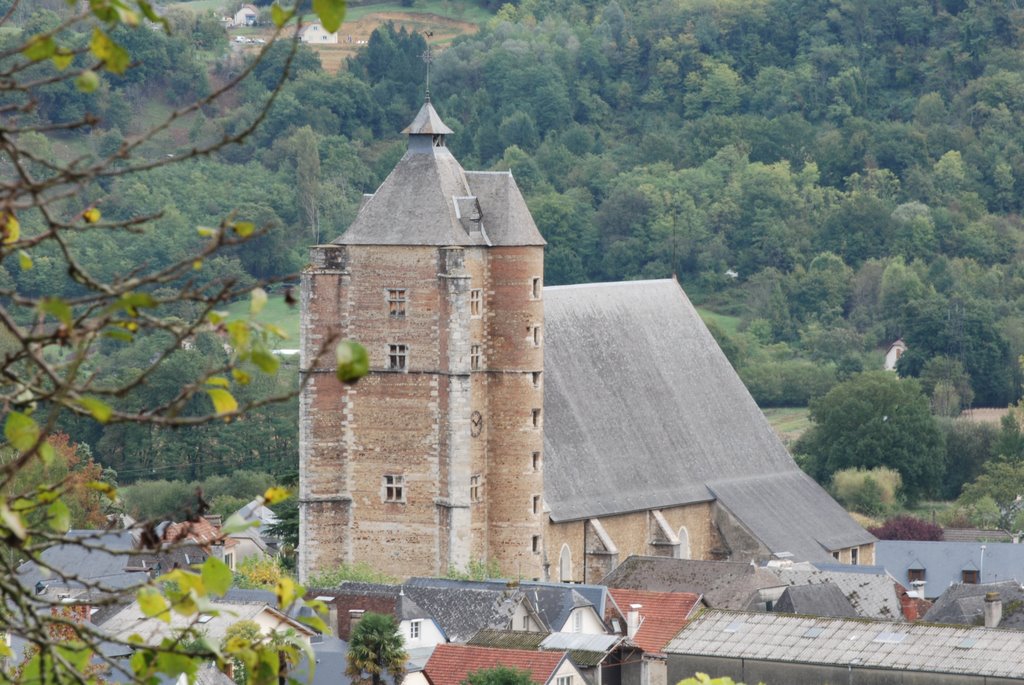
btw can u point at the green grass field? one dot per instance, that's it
(460, 10)
(789, 422)
(727, 323)
(275, 312)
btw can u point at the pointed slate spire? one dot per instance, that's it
(427, 122)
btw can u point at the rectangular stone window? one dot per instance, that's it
(536, 379)
(536, 544)
(534, 332)
(536, 418)
(393, 488)
(536, 289)
(396, 301)
(474, 357)
(536, 504)
(536, 461)
(476, 489)
(476, 302)
(969, 576)
(398, 357)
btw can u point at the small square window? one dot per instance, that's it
(536, 504)
(476, 489)
(476, 302)
(394, 488)
(536, 418)
(536, 461)
(915, 574)
(414, 629)
(835, 555)
(969, 577)
(474, 357)
(536, 289)
(536, 379)
(398, 357)
(563, 680)
(396, 301)
(536, 544)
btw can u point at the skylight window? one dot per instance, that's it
(967, 643)
(813, 632)
(890, 638)
(733, 627)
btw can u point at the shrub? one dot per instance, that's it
(907, 528)
(873, 492)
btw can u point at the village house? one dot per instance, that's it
(450, 664)
(934, 566)
(247, 15)
(316, 33)
(552, 431)
(803, 650)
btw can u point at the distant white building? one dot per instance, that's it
(247, 15)
(896, 351)
(316, 33)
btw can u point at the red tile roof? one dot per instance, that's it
(450, 663)
(201, 532)
(662, 616)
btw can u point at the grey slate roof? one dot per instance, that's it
(724, 584)
(98, 556)
(964, 604)
(823, 599)
(643, 411)
(462, 611)
(944, 562)
(427, 197)
(873, 644)
(872, 595)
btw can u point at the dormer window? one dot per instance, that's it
(438, 140)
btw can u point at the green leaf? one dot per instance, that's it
(258, 301)
(236, 524)
(314, 622)
(330, 12)
(279, 15)
(174, 664)
(87, 81)
(218, 381)
(118, 334)
(62, 59)
(266, 361)
(275, 495)
(216, 576)
(353, 361)
(241, 377)
(40, 48)
(5, 651)
(24, 260)
(223, 401)
(12, 521)
(244, 228)
(21, 431)
(100, 410)
(60, 516)
(206, 232)
(114, 57)
(47, 453)
(57, 308)
(108, 490)
(153, 604)
(286, 591)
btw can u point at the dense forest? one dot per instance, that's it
(827, 175)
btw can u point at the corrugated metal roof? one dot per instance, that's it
(871, 644)
(642, 411)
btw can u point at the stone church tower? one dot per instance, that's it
(434, 459)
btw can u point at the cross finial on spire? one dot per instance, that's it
(428, 58)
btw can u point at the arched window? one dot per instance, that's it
(684, 544)
(565, 565)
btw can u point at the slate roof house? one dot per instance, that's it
(964, 604)
(942, 564)
(554, 431)
(871, 592)
(722, 584)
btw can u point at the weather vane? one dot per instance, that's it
(428, 58)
